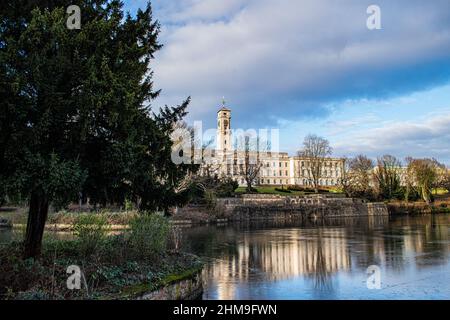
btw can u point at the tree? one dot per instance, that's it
(445, 182)
(76, 113)
(442, 176)
(409, 179)
(359, 176)
(315, 150)
(345, 179)
(387, 176)
(251, 163)
(361, 167)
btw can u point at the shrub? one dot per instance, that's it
(92, 231)
(148, 235)
(128, 205)
(210, 199)
(226, 188)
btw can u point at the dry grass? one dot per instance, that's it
(18, 216)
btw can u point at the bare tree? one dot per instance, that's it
(387, 176)
(345, 179)
(250, 165)
(210, 167)
(315, 150)
(442, 174)
(360, 175)
(425, 176)
(445, 182)
(409, 178)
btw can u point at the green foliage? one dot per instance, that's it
(148, 235)
(108, 275)
(128, 205)
(91, 231)
(226, 188)
(76, 113)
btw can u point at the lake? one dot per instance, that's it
(325, 259)
(322, 259)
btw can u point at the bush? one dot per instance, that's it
(92, 231)
(148, 235)
(210, 199)
(226, 188)
(299, 188)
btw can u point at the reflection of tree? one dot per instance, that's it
(272, 251)
(322, 277)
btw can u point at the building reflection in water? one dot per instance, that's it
(316, 251)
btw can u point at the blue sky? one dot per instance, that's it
(312, 66)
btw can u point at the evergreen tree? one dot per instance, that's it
(76, 109)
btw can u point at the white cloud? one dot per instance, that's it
(428, 138)
(282, 58)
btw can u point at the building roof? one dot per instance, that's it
(223, 109)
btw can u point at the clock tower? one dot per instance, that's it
(223, 141)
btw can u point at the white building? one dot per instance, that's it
(276, 168)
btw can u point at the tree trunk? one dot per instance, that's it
(316, 186)
(37, 215)
(425, 194)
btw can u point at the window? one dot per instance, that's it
(279, 164)
(286, 172)
(285, 164)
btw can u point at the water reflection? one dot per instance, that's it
(325, 259)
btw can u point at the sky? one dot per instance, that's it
(312, 66)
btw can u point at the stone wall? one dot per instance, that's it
(259, 206)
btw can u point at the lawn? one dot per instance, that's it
(439, 191)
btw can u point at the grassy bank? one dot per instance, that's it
(19, 216)
(122, 266)
(440, 205)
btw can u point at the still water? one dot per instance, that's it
(325, 259)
